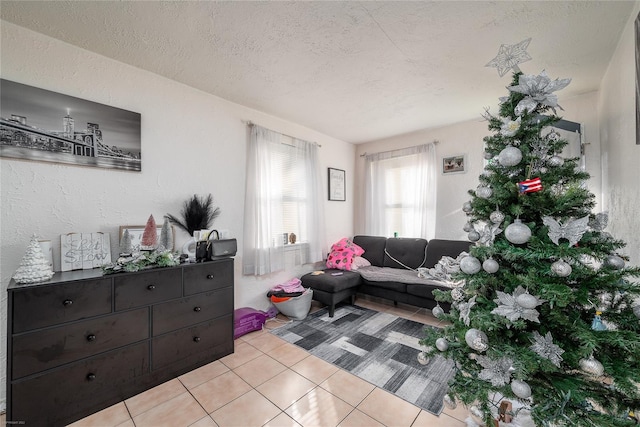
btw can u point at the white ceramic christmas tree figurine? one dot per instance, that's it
(33, 267)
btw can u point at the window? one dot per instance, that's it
(400, 196)
(282, 196)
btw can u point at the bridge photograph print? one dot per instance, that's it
(40, 125)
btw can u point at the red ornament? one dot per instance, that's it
(530, 186)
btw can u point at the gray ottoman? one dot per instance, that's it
(329, 289)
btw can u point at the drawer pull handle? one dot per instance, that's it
(91, 377)
(210, 276)
(196, 339)
(151, 287)
(197, 309)
(91, 337)
(67, 302)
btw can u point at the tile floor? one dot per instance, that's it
(269, 382)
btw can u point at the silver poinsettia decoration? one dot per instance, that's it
(539, 91)
(465, 310)
(600, 221)
(510, 306)
(487, 232)
(544, 347)
(497, 372)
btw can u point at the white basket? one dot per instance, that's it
(296, 308)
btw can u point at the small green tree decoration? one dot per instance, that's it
(166, 236)
(125, 243)
(546, 313)
(197, 214)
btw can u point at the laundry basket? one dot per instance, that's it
(296, 308)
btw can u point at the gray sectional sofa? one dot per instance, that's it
(396, 281)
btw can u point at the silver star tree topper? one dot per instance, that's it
(509, 56)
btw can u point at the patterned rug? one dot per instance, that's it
(378, 347)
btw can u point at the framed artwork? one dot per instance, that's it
(337, 185)
(637, 31)
(40, 125)
(136, 232)
(454, 164)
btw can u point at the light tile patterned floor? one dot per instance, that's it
(269, 382)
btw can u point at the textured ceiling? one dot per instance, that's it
(357, 71)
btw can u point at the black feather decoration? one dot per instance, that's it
(197, 214)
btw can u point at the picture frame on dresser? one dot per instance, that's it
(136, 232)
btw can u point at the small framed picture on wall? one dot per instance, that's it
(337, 185)
(454, 164)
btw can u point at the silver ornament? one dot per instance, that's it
(442, 344)
(561, 268)
(490, 266)
(510, 156)
(466, 207)
(477, 340)
(473, 236)
(496, 217)
(423, 358)
(572, 229)
(470, 264)
(487, 155)
(477, 416)
(543, 169)
(556, 161)
(484, 192)
(636, 311)
(449, 402)
(591, 366)
(517, 232)
(467, 227)
(457, 294)
(521, 389)
(437, 311)
(615, 262)
(527, 300)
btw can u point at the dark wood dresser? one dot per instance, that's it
(83, 341)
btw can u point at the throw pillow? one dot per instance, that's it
(342, 254)
(359, 262)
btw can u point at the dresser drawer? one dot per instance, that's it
(43, 306)
(208, 276)
(192, 344)
(36, 351)
(174, 315)
(149, 287)
(64, 395)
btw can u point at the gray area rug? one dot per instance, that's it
(378, 347)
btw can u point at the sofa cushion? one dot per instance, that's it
(329, 283)
(373, 248)
(410, 252)
(342, 254)
(438, 248)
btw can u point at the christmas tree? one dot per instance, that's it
(149, 235)
(544, 311)
(33, 267)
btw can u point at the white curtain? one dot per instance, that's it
(283, 195)
(400, 192)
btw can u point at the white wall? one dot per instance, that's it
(192, 143)
(467, 138)
(620, 154)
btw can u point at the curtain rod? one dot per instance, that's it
(250, 123)
(435, 142)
